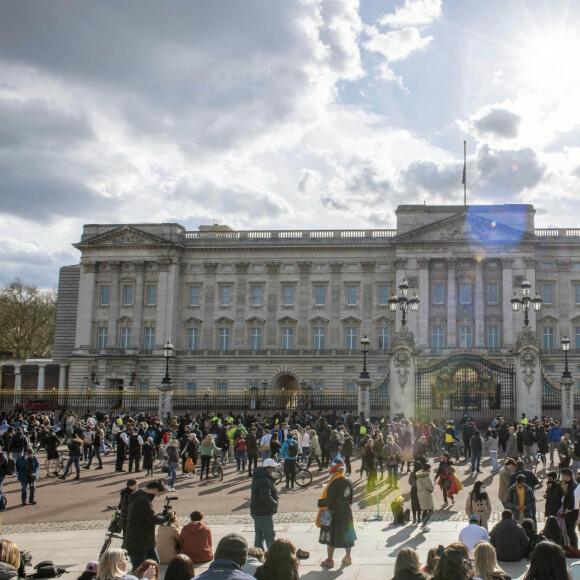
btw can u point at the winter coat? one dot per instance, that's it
(481, 508)
(543, 442)
(264, 495)
(223, 569)
(391, 453)
(141, 522)
(167, 543)
(512, 501)
(512, 446)
(315, 446)
(505, 476)
(195, 541)
(8, 572)
(425, 489)
(339, 496)
(124, 506)
(348, 447)
(528, 436)
(509, 540)
(493, 444)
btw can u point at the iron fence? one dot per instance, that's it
(135, 401)
(551, 394)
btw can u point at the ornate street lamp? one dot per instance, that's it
(167, 353)
(526, 301)
(264, 386)
(403, 302)
(364, 346)
(566, 347)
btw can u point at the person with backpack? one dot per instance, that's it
(27, 467)
(290, 451)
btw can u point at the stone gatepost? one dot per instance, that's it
(165, 400)
(364, 398)
(402, 373)
(567, 384)
(528, 374)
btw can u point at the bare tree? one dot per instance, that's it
(27, 320)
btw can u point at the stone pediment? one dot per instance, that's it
(382, 320)
(223, 320)
(463, 228)
(548, 320)
(123, 236)
(319, 320)
(350, 320)
(193, 320)
(287, 320)
(255, 320)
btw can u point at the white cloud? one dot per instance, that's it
(413, 12)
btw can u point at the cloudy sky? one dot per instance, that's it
(277, 114)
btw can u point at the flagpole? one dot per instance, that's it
(465, 173)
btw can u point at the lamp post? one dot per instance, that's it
(403, 302)
(165, 392)
(264, 386)
(567, 381)
(206, 396)
(364, 382)
(526, 301)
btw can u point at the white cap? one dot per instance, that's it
(270, 463)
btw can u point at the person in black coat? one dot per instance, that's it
(264, 504)
(569, 505)
(141, 521)
(552, 495)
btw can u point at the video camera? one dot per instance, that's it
(168, 512)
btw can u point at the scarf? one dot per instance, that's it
(324, 494)
(30, 469)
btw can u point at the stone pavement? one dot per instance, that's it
(71, 545)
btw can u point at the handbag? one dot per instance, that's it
(189, 467)
(326, 517)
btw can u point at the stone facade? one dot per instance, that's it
(241, 307)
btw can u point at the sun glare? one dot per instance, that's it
(549, 62)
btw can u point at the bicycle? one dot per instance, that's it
(217, 469)
(303, 476)
(55, 466)
(112, 531)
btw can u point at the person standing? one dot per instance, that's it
(290, 451)
(252, 450)
(425, 489)
(479, 504)
(492, 447)
(476, 445)
(569, 506)
(240, 452)
(512, 445)
(172, 463)
(505, 476)
(148, 454)
(141, 521)
(207, 449)
(135, 449)
(264, 503)
(347, 452)
(75, 454)
(392, 455)
(124, 503)
(336, 531)
(27, 468)
(555, 437)
(265, 445)
(445, 477)
(121, 445)
(521, 500)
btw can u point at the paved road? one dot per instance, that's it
(84, 501)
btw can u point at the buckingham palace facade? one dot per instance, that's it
(283, 309)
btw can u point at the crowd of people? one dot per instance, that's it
(530, 451)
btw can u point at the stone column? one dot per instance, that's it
(62, 376)
(302, 303)
(451, 303)
(507, 290)
(208, 306)
(137, 329)
(166, 287)
(239, 338)
(40, 385)
(567, 385)
(165, 400)
(17, 377)
(115, 302)
(530, 264)
(366, 300)
(335, 338)
(86, 304)
(423, 313)
(402, 381)
(479, 306)
(528, 373)
(271, 338)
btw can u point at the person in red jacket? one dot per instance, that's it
(195, 539)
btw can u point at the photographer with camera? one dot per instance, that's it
(141, 521)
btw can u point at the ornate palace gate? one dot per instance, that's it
(465, 382)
